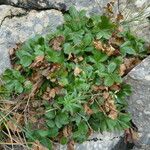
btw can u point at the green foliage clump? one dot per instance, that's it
(72, 79)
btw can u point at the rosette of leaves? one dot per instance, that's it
(72, 79)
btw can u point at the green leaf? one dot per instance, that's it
(10, 86)
(67, 48)
(25, 61)
(18, 86)
(61, 119)
(54, 56)
(83, 128)
(101, 67)
(18, 75)
(99, 56)
(73, 12)
(50, 114)
(63, 140)
(128, 50)
(87, 39)
(106, 23)
(125, 117)
(28, 85)
(106, 34)
(43, 133)
(111, 124)
(108, 81)
(50, 123)
(117, 78)
(46, 142)
(53, 132)
(111, 67)
(103, 126)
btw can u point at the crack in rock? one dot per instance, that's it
(36, 4)
(13, 15)
(99, 139)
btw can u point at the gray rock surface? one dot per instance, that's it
(17, 25)
(136, 12)
(139, 101)
(36, 4)
(97, 141)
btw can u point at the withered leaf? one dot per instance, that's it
(87, 109)
(108, 49)
(56, 43)
(109, 108)
(15, 127)
(113, 114)
(99, 88)
(80, 58)
(70, 145)
(77, 71)
(131, 136)
(109, 8)
(37, 61)
(122, 69)
(36, 87)
(37, 146)
(115, 87)
(67, 131)
(119, 17)
(105, 95)
(98, 45)
(130, 63)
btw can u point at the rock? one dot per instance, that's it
(139, 101)
(137, 17)
(36, 4)
(136, 12)
(17, 25)
(98, 141)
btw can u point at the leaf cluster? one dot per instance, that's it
(73, 77)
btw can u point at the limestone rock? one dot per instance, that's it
(17, 25)
(98, 141)
(136, 12)
(36, 4)
(139, 101)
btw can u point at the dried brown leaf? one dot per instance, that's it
(131, 136)
(98, 45)
(108, 49)
(119, 17)
(15, 123)
(109, 8)
(130, 63)
(109, 108)
(67, 131)
(105, 95)
(56, 43)
(122, 69)
(77, 71)
(80, 58)
(37, 61)
(37, 146)
(36, 87)
(87, 109)
(70, 145)
(115, 87)
(113, 114)
(99, 88)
